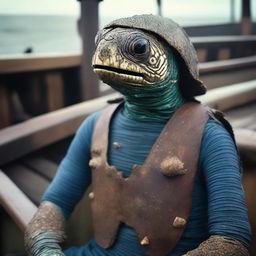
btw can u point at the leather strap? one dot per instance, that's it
(156, 198)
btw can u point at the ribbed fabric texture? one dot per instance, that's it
(218, 203)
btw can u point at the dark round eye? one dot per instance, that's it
(140, 46)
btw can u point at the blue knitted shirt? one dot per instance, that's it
(218, 206)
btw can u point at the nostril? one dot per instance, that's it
(105, 52)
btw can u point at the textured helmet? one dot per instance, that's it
(177, 38)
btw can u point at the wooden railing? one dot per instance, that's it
(46, 129)
(212, 48)
(33, 85)
(224, 72)
(33, 173)
(40, 62)
(233, 46)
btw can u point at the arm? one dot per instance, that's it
(228, 223)
(45, 232)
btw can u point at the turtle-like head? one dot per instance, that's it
(150, 60)
(130, 57)
(133, 51)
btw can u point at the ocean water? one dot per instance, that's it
(44, 34)
(59, 34)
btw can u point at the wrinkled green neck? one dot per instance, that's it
(155, 102)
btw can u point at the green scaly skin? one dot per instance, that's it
(155, 102)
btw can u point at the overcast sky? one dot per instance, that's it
(60, 7)
(71, 7)
(120, 8)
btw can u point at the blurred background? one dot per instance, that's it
(51, 25)
(47, 88)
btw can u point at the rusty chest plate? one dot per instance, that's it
(156, 198)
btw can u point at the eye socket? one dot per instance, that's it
(140, 46)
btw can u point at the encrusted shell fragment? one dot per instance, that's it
(145, 241)
(91, 195)
(179, 222)
(172, 166)
(116, 145)
(94, 162)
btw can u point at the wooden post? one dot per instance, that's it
(88, 27)
(232, 11)
(54, 91)
(159, 5)
(246, 22)
(5, 108)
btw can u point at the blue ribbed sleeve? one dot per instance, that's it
(73, 175)
(227, 212)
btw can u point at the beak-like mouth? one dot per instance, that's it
(112, 75)
(117, 70)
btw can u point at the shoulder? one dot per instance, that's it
(88, 124)
(217, 144)
(216, 132)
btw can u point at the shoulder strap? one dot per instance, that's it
(101, 131)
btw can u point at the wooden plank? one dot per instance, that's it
(88, 29)
(5, 107)
(31, 183)
(225, 98)
(39, 62)
(215, 30)
(221, 73)
(55, 152)
(33, 96)
(198, 41)
(243, 116)
(55, 91)
(216, 66)
(15, 202)
(235, 46)
(223, 54)
(36, 62)
(228, 77)
(43, 130)
(40, 165)
(202, 54)
(49, 128)
(246, 141)
(246, 22)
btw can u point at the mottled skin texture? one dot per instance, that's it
(45, 231)
(151, 61)
(221, 246)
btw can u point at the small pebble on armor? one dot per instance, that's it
(179, 222)
(116, 144)
(144, 241)
(91, 195)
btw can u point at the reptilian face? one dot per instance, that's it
(129, 57)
